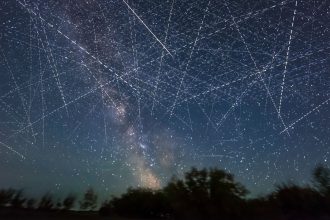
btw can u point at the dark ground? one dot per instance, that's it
(22, 214)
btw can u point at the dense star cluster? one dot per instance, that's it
(125, 93)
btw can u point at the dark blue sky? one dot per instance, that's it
(124, 93)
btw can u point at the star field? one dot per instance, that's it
(125, 93)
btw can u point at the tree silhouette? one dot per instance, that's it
(6, 196)
(106, 208)
(177, 194)
(58, 204)
(222, 183)
(89, 201)
(142, 202)
(293, 198)
(200, 194)
(205, 194)
(226, 195)
(197, 185)
(321, 176)
(18, 200)
(46, 202)
(69, 202)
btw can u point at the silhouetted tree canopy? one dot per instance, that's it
(69, 202)
(200, 194)
(89, 201)
(321, 176)
(18, 200)
(205, 193)
(6, 196)
(46, 202)
(291, 197)
(142, 202)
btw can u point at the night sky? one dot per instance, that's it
(119, 93)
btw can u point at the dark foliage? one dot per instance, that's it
(105, 209)
(58, 205)
(292, 198)
(69, 202)
(6, 196)
(321, 177)
(205, 193)
(145, 203)
(214, 194)
(201, 194)
(18, 200)
(89, 201)
(46, 202)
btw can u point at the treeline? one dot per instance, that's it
(214, 194)
(15, 199)
(201, 194)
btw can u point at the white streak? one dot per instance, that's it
(287, 57)
(148, 28)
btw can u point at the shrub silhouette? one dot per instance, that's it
(46, 202)
(142, 202)
(106, 208)
(177, 194)
(321, 177)
(201, 194)
(205, 194)
(261, 208)
(89, 201)
(69, 201)
(17, 200)
(295, 199)
(58, 204)
(6, 196)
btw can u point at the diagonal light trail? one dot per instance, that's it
(305, 115)
(287, 58)
(148, 29)
(258, 71)
(13, 150)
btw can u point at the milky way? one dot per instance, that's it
(125, 93)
